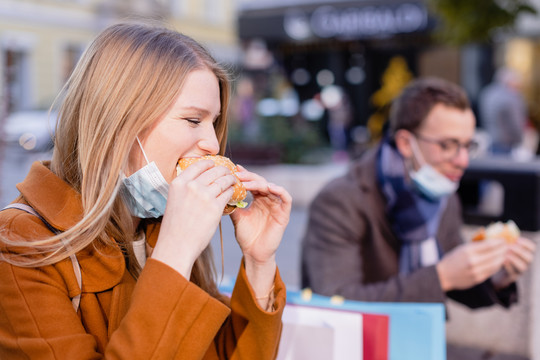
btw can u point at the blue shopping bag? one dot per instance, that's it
(417, 330)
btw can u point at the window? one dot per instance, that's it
(214, 11)
(180, 8)
(71, 55)
(15, 79)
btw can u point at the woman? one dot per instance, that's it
(129, 232)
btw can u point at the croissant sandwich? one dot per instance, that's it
(507, 231)
(237, 200)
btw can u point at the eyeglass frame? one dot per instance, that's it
(443, 145)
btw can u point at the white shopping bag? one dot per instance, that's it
(311, 333)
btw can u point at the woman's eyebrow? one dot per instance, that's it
(199, 111)
(195, 109)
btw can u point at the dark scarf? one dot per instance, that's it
(414, 218)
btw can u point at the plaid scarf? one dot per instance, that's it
(414, 218)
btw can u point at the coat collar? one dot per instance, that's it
(51, 197)
(61, 206)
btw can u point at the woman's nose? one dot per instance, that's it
(209, 142)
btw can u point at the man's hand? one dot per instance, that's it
(518, 259)
(471, 263)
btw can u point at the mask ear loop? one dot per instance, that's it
(416, 151)
(222, 254)
(144, 154)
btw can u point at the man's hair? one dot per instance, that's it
(411, 108)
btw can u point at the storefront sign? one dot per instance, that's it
(346, 20)
(328, 21)
(355, 22)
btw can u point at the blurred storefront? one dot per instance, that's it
(521, 51)
(368, 49)
(348, 46)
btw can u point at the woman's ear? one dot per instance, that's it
(402, 139)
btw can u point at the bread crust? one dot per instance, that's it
(507, 231)
(240, 192)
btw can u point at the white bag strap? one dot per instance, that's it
(76, 266)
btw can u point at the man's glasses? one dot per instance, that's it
(450, 147)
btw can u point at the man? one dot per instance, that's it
(503, 112)
(389, 230)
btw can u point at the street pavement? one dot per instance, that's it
(15, 162)
(303, 182)
(287, 257)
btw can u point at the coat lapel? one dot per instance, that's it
(367, 181)
(61, 206)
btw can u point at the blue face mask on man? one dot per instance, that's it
(428, 180)
(145, 192)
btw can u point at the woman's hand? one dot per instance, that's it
(259, 228)
(195, 204)
(518, 258)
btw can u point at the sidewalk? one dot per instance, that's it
(303, 182)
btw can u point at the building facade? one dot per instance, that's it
(41, 40)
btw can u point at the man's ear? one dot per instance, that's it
(403, 143)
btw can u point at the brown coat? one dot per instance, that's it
(350, 249)
(159, 316)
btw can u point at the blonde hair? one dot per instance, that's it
(125, 81)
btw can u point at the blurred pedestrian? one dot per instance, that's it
(340, 116)
(503, 112)
(106, 251)
(243, 108)
(390, 229)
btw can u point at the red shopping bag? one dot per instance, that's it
(375, 336)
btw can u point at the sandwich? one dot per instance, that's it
(507, 231)
(239, 195)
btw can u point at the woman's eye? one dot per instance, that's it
(193, 121)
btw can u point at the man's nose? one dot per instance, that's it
(462, 157)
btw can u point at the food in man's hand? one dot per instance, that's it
(237, 200)
(498, 230)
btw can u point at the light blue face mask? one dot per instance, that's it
(145, 192)
(428, 180)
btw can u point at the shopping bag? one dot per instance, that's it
(416, 330)
(312, 333)
(323, 333)
(375, 334)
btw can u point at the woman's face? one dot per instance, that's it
(186, 130)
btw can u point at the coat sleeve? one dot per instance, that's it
(169, 317)
(335, 250)
(251, 332)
